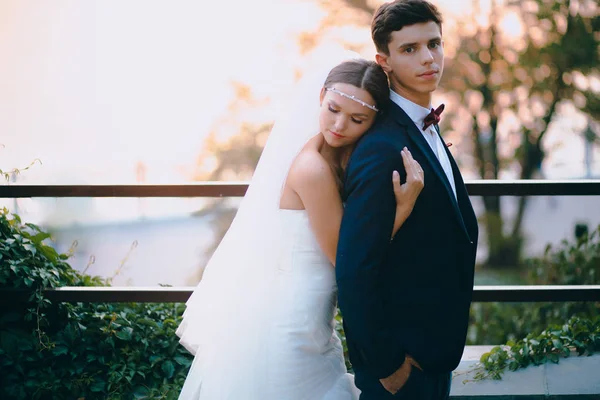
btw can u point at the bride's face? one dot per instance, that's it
(342, 120)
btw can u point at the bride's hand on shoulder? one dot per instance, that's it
(407, 193)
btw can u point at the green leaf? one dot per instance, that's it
(154, 359)
(97, 386)
(168, 368)
(141, 392)
(184, 361)
(59, 350)
(31, 248)
(147, 322)
(125, 333)
(40, 237)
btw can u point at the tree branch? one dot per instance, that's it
(360, 5)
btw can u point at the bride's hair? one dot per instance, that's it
(363, 74)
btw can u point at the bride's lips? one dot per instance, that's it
(336, 134)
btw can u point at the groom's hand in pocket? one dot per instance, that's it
(397, 380)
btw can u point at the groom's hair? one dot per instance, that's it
(363, 74)
(395, 15)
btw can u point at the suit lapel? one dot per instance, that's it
(466, 209)
(416, 136)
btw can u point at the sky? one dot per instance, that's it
(93, 88)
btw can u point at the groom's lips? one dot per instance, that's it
(428, 74)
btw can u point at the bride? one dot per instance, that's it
(261, 321)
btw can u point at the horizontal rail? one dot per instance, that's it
(204, 189)
(589, 187)
(502, 294)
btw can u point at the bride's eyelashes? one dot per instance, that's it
(356, 121)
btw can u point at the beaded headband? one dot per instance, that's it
(334, 90)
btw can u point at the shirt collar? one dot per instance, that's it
(416, 113)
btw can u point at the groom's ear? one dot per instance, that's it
(382, 60)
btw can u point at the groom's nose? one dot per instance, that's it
(427, 56)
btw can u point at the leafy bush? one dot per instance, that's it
(568, 264)
(545, 334)
(577, 335)
(126, 351)
(69, 351)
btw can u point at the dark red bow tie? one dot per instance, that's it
(433, 117)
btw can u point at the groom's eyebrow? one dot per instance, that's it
(436, 39)
(405, 45)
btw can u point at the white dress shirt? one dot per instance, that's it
(417, 114)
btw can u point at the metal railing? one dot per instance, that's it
(236, 189)
(554, 293)
(128, 294)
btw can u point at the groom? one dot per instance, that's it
(405, 301)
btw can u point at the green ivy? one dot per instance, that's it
(339, 327)
(130, 351)
(83, 350)
(577, 335)
(545, 335)
(7, 174)
(569, 263)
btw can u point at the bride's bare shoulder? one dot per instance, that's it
(310, 166)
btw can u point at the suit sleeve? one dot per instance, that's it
(363, 245)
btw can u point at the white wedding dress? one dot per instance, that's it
(303, 357)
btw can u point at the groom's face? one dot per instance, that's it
(415, 61)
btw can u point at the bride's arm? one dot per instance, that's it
(312, 179)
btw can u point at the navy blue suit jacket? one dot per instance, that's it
(410, 293)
